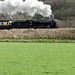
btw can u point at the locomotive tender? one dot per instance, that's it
(8, 24)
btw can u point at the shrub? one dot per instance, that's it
(66, 33)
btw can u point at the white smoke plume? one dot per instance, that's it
(31, 7)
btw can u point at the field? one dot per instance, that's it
(19, 58)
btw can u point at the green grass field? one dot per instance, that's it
(19, 58)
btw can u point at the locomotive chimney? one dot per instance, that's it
(52, 16)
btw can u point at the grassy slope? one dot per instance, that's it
(43, 40)
(37, 58)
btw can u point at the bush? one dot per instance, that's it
(66, 33)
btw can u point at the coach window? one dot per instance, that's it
(2, 23)
(7, 23)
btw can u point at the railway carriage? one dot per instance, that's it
(5, 24)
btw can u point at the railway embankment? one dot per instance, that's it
(38, 35)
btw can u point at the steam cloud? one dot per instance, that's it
(31, 7)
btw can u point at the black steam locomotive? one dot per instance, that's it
(8, 24)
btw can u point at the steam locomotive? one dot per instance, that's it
(8, 24)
